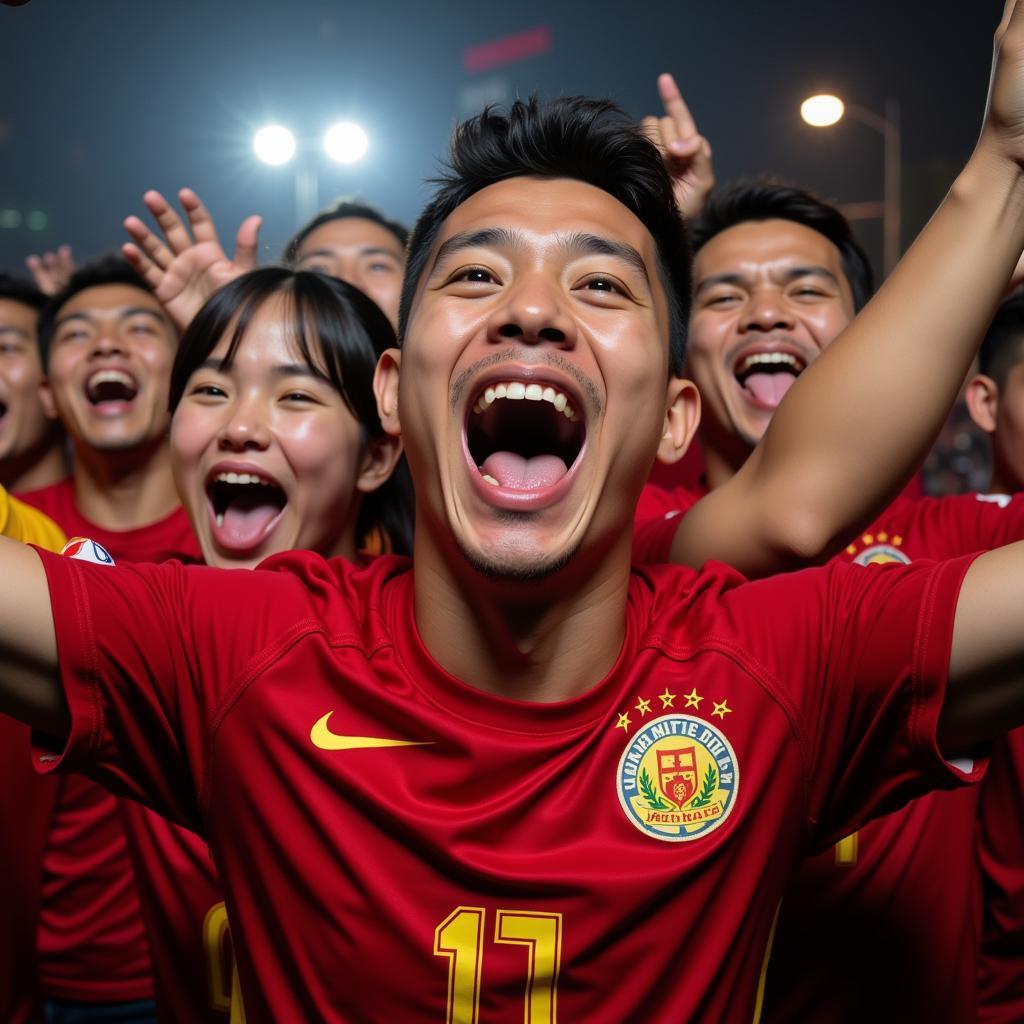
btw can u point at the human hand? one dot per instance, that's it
(687, 153)
(186, 267)
(52, 270)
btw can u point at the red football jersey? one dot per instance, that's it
(397, 845)
(90, 939)
(25, 808)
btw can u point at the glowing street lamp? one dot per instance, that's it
(344, 142)
(824, 110)
(274, 144)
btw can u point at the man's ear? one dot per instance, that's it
(385, 389)
(377, 463)
(682, 417)
(982, 398)
(46, 399)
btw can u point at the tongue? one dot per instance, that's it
(511, 470)
(769, 388)
(247, 517)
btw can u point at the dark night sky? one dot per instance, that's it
(102, 99)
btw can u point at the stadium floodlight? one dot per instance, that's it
(345, 142)
(822, 110)
(274, 144)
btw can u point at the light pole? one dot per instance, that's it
(824, 110)
(344, 143)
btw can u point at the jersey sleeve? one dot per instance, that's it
(1001, 858)
(861, 656)
(26, 524)
(976, 522)
(147, 653)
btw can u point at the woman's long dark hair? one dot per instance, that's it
(340, 333)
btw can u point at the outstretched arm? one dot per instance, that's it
(862, 417)
(184, 269)
(30, 688)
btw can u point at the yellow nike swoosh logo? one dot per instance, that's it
(323, 738)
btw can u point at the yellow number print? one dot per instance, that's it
(222, 972)
(459, 937)
(846, 851)
(542, 933)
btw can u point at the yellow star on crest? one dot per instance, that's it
(667, 698)
(693, 698)
(623, 722)
(643, 705)
(722, 709)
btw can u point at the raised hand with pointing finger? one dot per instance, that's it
(687, 153)
(185, 267)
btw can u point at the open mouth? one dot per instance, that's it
(3, 410)
(767, 376)
(245, 507)
(106, 387)
(524, 436)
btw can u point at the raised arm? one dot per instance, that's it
(189, 264)
(30, 688)
(862, 417)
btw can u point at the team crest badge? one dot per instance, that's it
(878, 549)
(677, 778)
(86, 550)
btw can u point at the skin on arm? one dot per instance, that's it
(30, 687)
(863, 416)
(187, 265)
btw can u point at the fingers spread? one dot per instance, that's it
(148, 242)
(143, 265)
(675, 105)
(170, 223)
(198, 217)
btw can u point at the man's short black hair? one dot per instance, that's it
(343, 209)
(20, 289)
(593, 141)
(103, 270)
(765, 199)
(1003, 346)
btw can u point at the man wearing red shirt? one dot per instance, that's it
(519, 778)
(108, 346)
(777, 278)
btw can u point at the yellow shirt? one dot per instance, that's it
(22, 522)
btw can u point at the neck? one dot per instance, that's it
(544, 641)
(41, 466)
(124, 490)
(721, 464)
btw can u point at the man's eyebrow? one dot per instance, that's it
(498, 237)
(122, 314)
(370, 250)
(812, 270)
(789, 274)
(584, 243)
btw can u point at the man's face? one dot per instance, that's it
(769, 296)
(360, 252)
(23, 423)
(109, 367)
(534, 374)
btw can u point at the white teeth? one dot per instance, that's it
(111, 376)
(220, 518)
(517, 391)
(490, 479)
(242, 478)
(770, 359)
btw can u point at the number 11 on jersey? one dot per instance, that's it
(459, 938)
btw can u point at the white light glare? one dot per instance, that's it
(274, 144)
(822, 110)
(346, 142)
